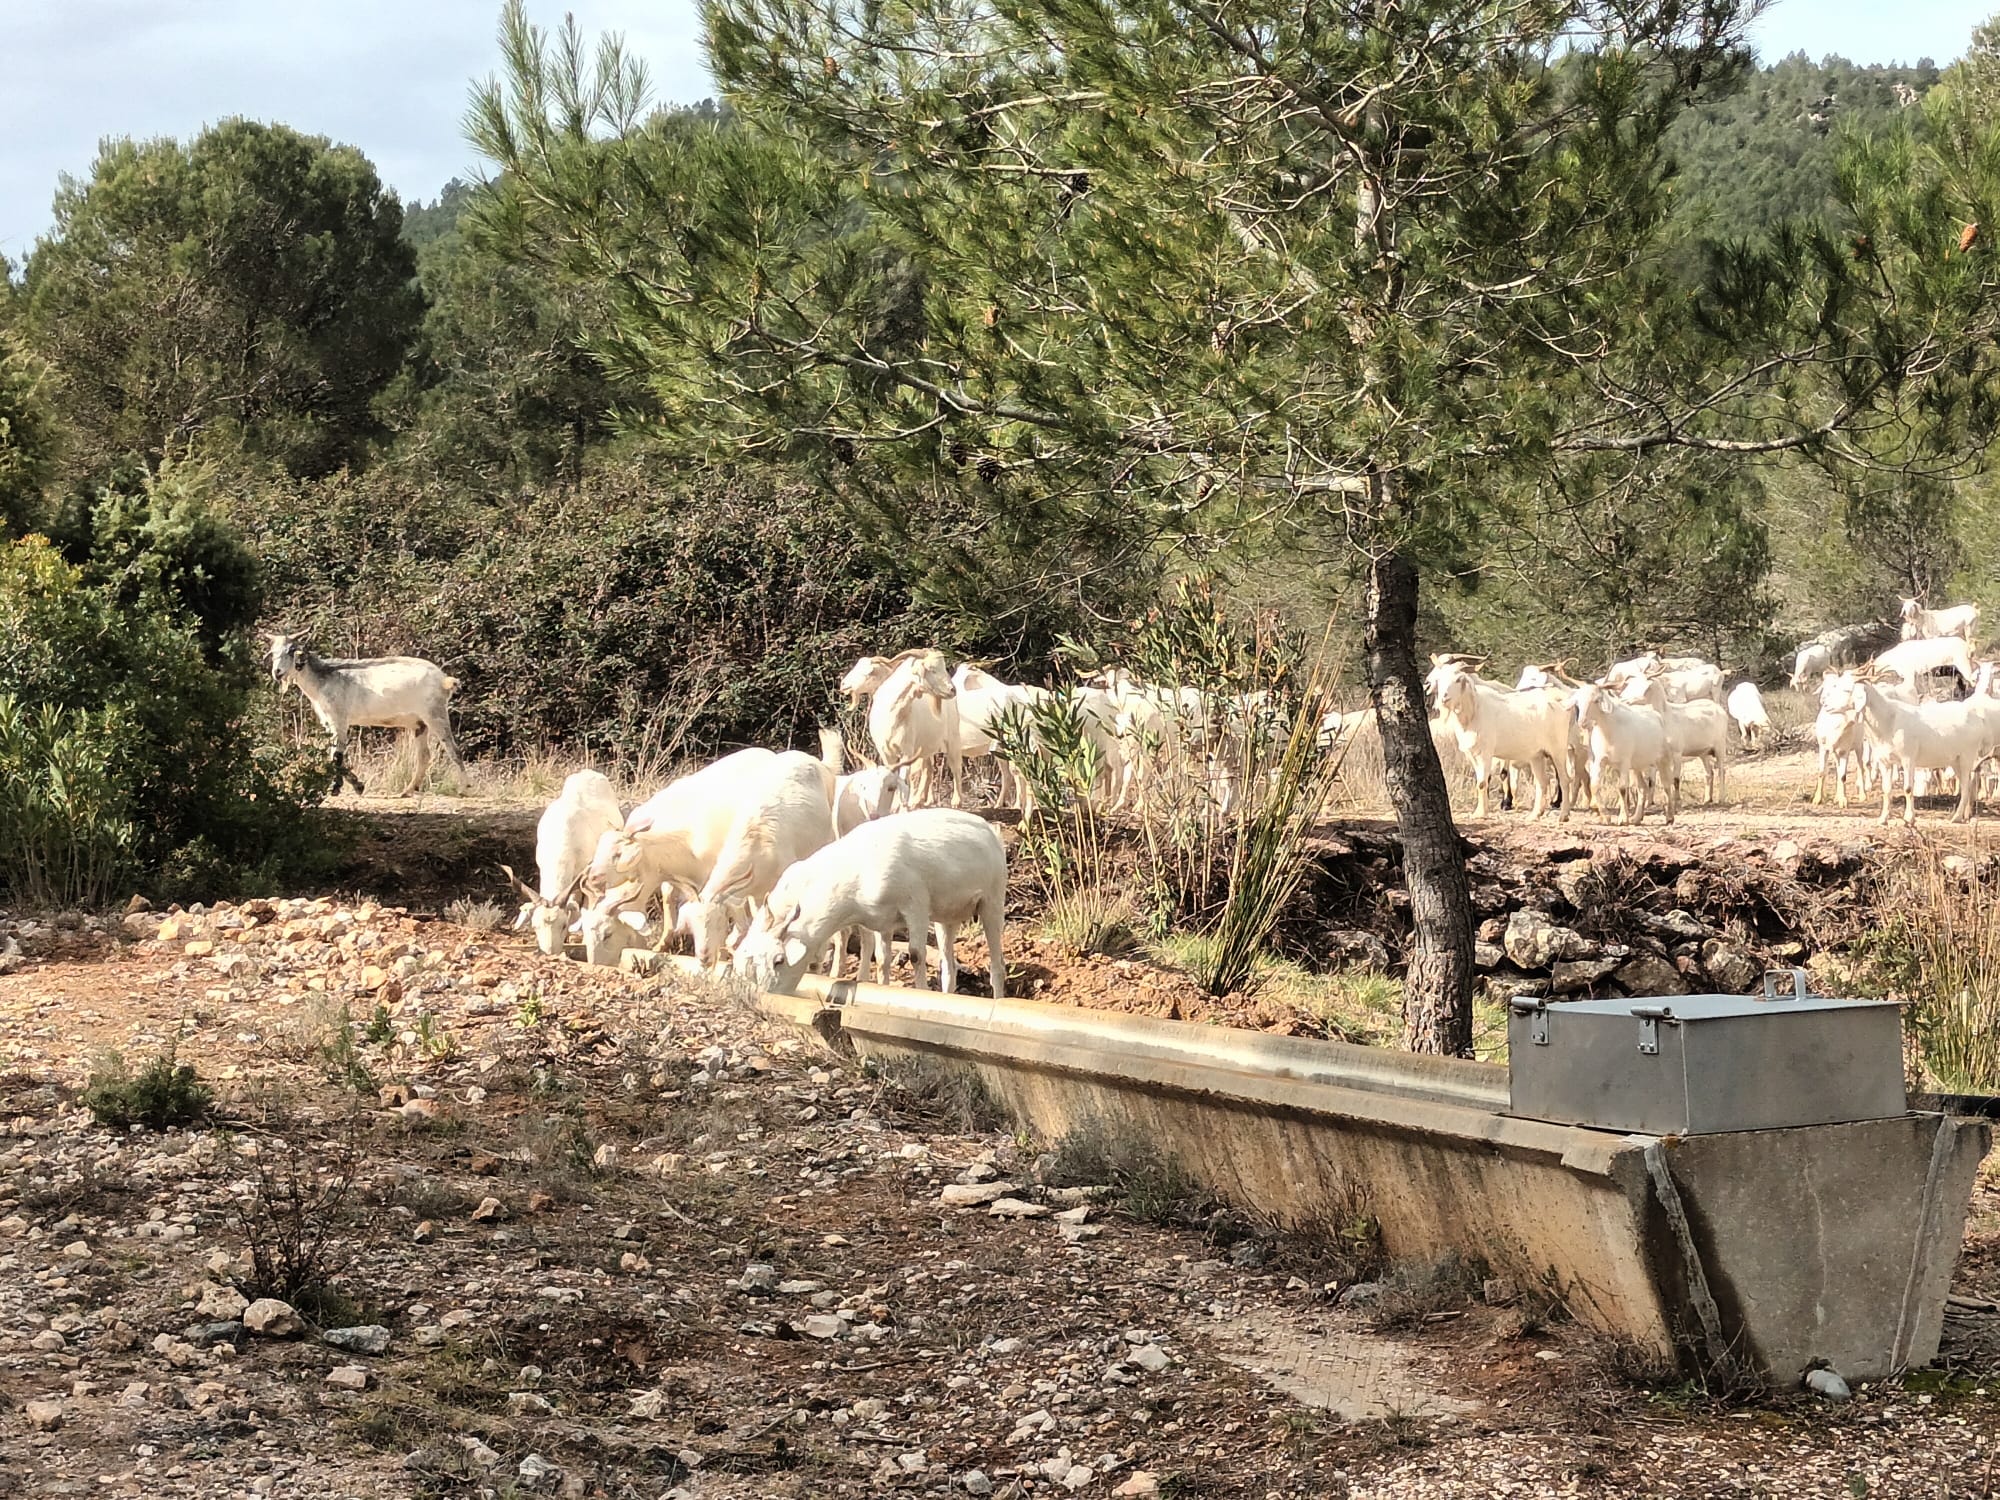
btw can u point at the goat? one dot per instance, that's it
(982, 701)
(1953, 736)
(1687, 678)
(669, 843)
(1696, 730)
(1917, 658)
(566, 841)
(1920, 624)
(1628, 742)
(1746, 707)
(934, 865)
(1496, 725)
(782, 817)
(387, 692)
(912, 716)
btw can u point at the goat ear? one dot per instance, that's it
(522, 920)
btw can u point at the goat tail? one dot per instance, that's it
(450, 684)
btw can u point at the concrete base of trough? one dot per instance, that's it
(1766, 1250)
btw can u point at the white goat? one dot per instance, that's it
(1953, 736)
(1696, 730)
(783, 816)
(1915, 659)
(1837, 733)
(607, 933)
(910, 870)
(669, 843)
(1629, 749)
(983, 700)
(1687, 678)
(913, 716)
(583, 813)
(1746, 707)
(388, 692)
(1497, 726)
(1920, 624)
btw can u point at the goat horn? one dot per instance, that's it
(521, 885)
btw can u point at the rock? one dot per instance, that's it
(348, 1378)
(424, 1233)
(206, 1335)
(821, 1326)
(1730, 969)
(1488, 955)
(1361, 1294)
(273, 1319)
(1534, 941)
(76, 1250)
(1138, 1485)
(1077, 1477)
(975, 1482)
(1827, 1383)
(221, 1303)
(1353, 946)
(759, 1277)
(1582, 884)
(972, 1194)
(1785, 852)
(479, 1455)
(1017, 1208)
(537, 1473)
(489, 1210)
(979, 1171)
(44, 1416)
(1572, 975)
(1647, 976)
(48, 1341)
(868, 1409)
(366, 1338)
(1151, 1358)
(528, 1404)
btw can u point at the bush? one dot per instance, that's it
(128, 683)
(163, 1095)
(645, 613)
(64, 837)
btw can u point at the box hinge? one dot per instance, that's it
(1650, 1018)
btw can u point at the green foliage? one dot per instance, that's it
(28, 435)
(64, 837)
(132, 737)
(651, 609)
(1766, 151)
(163, 1095)
(247, 288)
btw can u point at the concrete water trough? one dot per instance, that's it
(1766, 1251)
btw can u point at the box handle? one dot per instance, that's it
(1799, 990)
(1650, 1017)
(1537, 1012)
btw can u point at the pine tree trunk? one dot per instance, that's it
(1437, 1010)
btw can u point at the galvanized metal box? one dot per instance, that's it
(1701, 1064)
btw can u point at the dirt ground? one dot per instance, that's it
(624, 1238)
(619, 1236)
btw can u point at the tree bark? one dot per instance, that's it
(1437, 1008)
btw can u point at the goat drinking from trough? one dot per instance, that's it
(389, 692)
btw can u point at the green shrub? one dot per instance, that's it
(64, 837)
(646, 613)
(129, 682)
(162, 1095)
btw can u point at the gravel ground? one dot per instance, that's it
(589, 1234)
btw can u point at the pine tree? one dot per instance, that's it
(1349, 274)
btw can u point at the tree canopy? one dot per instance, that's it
(249, 286)
(1370, 279)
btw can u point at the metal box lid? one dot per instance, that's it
(1700, 1064)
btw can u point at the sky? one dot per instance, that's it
(391, 76)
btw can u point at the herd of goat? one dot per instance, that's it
(768, 860)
